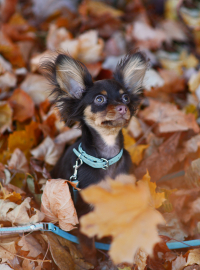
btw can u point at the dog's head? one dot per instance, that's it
(104, 104)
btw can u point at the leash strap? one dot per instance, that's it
(50, 227)
(99, 163)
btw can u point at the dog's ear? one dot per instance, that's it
(130, 72)
(70, 79)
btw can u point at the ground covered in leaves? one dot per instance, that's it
(163, 138)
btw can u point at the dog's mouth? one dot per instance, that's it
(120, 122)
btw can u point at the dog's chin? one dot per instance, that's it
(120, 122)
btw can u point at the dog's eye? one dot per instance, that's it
(99, 100)
(125, 98)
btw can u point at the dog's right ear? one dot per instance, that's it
(70, 79)
(69, 76)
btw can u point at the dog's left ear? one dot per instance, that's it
(130, 71)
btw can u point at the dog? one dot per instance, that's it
(102, 108)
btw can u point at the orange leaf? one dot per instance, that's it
(22, 105)
(57, 204)
(24, 139)
(123, 212)
(156, 198)
(5, 116)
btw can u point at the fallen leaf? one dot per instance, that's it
(37, 87)
(126, 221)
(140, 259)
(136, 152)
(18, 161)
(179, 263)
(6, 113)
(98, 8)
(24, 139)
(134, 127)
(90, 47)
(48, 151)
(18, 215)
(194, 81)
(67, 136)
(157, 198)
(192, 174)
(7, 250)
(12, 197)
(55, 37)
(7, 80)
(168, 117)
(22, 104)
(147, 36)
(29, 243)
(193, 257)
(57, 204)
(61, 256)
(161, 161)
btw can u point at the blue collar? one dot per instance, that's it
(94, 162)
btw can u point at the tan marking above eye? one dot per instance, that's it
(121, 91)
(104, 92)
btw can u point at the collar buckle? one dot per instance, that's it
(105, 166)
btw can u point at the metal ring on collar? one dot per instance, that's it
(105, 167)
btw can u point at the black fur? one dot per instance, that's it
(81, 108)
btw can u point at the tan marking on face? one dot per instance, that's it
(103, 92)
(121, 91)
(107, 132)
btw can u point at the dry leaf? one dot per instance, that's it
(136, 152)
(22, 104)
(48, 151)
(29, 243)
(147, 36)
(161, 161)
(90, 47)
(193, 257)
(57, 204)
(122, 212)
(18, 161)
(179, 263)
(157, 198)
(24, 139)
(37, 87)
(12, 197)
(61, 256)
(67, 136)
(18, 215)
(140, 259)
(134, 127)
(7, 80)
(5, 116)
(56, 36)
(192, 174)
(7, 250)
(97, 8)
(168, 117)
(194, 81)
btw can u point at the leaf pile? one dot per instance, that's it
(163, 138)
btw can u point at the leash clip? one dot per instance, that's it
(76, 167)
(105, 166)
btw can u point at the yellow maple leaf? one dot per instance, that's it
(123, 212)
(156, 198)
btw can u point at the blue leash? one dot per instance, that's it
(49, 227)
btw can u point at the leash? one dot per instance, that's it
(50, 227)
(98, 163)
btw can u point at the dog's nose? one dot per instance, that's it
(121, 109)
